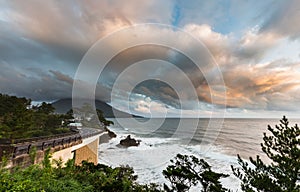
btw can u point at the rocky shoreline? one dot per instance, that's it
(108, 135)
(127, 142)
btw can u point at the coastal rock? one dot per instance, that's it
(111, 134)
(104, 138)
(128, 142)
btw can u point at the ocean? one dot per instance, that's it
(218, 141)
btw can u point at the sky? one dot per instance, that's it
(256, 45)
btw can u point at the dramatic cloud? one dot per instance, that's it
(44, 86)
(255, 44)
(250, 83)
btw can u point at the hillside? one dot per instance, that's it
(64, 105)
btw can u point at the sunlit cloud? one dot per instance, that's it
(256, 49)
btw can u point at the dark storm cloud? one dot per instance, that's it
(42, 43)
(155, 89)
(63, 31)
(144, 52)
(49, 36)
(43, 86)
(160, 91)
(61, 77)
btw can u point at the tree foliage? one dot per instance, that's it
(86, 178)
(282, 147)
(187, 171)
(102, 118)
(19, 119)
(88, 118)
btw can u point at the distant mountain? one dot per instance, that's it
(64, 105)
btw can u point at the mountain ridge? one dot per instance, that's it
(64, 105)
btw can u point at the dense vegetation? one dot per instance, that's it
(20, 119)
(87, 177)
(55, 177)
(88, 118)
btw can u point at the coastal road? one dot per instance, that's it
(88, 132)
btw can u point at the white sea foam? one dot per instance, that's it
(153, 155)
(238, 136)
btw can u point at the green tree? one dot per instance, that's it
(89, 119)
(282, 147)
(15, 116)
(18, 119)
(13, 104)
(187, 171)
(102, 118)
(87, 177)
(45, 108)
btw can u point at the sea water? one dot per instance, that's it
(218, 141)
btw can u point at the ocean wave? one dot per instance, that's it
(153, 155)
